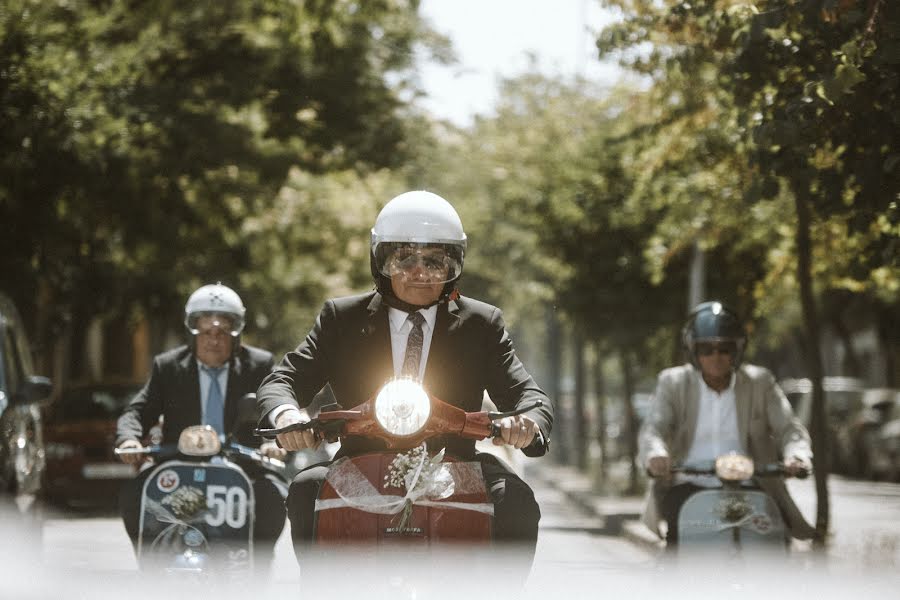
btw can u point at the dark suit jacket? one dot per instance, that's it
(350, 348)
(173, 391)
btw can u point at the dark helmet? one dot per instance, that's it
(713, 322)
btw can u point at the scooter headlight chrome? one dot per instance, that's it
(199, 440)
(734, 467)
(402, 407)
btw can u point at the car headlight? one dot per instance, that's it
(60, 451)
(199, 440)
(734, 467)
(402, 407)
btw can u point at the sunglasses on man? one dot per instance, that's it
(433, 261)
(709, 348)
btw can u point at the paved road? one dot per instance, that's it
(89, 556)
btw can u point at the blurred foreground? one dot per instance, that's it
(581, 554)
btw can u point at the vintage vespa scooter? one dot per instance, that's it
(197, 506)
(736, 519)
(404, 494)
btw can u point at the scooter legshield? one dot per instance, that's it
(427, 524)
(744, 518)
(197, 516)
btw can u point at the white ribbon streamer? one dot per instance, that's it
(163, 515)
(750, 520)
(356, 491)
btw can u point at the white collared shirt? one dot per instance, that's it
(716, 433)
(400, 328)
(205, 380)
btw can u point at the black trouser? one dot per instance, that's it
(268, 492)
(516, 513)
(670, 505)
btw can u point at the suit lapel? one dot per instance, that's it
(743, 401)
(377, 333)
(235, 373)
(691, 408)
(190, 386)
(445, 324)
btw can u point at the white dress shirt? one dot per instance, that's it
(716, 433)
(400, 328)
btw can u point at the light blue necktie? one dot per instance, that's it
(215, 407)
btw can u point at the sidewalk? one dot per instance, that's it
(620, 513)
(865, 517)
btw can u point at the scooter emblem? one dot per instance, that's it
(167, 481)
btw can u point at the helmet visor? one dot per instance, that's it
(211, 323)
(429, 263)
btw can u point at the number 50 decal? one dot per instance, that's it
(227, 505)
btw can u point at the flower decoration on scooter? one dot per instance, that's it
(733, 509)
(186, 502)
(420, 476)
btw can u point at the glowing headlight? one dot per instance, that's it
(734, 467)
(402, 407)
(199, 440)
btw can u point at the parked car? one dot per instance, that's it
(884, 457)
(843, 403)
(82, 470)
(21, 432)
(858, 436)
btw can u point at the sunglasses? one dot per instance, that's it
(406, 260)
(707, 349)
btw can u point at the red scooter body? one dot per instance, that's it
(427, 524)
(353, 511)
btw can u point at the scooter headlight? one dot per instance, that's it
(734, 467)
(402, 407)
(199, 440)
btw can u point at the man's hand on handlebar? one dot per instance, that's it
(131, 459)
(272, 450)
(796, 467)
(518, 431)
(659, 466)
(296, 440)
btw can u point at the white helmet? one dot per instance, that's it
(215, 299)
(417, 218)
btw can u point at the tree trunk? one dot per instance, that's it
(554, 373)
(851, 365)
(888, 325)
(580, 429)
(819, 426)
(600, 407)
(630, 420)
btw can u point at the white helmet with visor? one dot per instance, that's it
(418, 228)
(218, 301)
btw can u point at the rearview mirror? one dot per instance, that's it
(35, 389)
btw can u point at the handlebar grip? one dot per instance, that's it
(138, 450)
(271, 433)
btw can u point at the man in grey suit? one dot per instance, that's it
(414, 324)
(713, 406)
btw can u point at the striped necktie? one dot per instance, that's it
(413, 347)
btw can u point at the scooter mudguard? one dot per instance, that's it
(466, 515)
(739, 519)
(196, 516)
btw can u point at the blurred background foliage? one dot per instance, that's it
(149, 147)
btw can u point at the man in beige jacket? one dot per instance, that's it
(713, 406)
